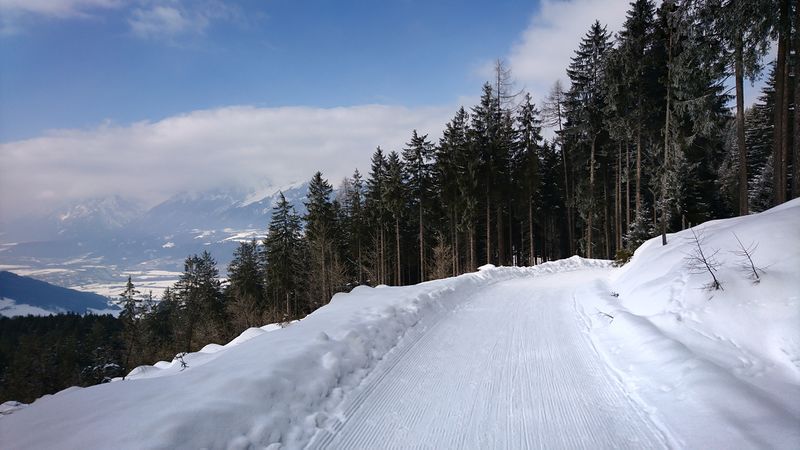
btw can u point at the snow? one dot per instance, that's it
(196, 359)
(10, 308)
(691, 353)
(277, 387)
(566, 354)
(268, 191)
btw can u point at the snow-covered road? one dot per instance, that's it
(510, 367)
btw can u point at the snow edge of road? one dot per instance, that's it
(238, 399)
(693, 401)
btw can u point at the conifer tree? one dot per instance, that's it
(351, 193)
(585, 130)
(394, 200)
(484, 130)
(320, 232)
(526, 162)
(131, 319)
(246, 290)
(418, 166)
(285, 254)
(455, 179)
(377, 215)
(199, 295)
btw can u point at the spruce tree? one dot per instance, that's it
(584, 128)
(394, 198)
(376, 210)
(526, 162)
(246, 290)
(320, 231)
(418, 167)
(202, 309)
(285, 254)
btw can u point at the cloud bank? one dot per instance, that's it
(240, 145)
(146, 19)
(544, 50)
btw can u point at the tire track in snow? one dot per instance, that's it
(510, 368)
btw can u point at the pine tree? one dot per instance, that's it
(199, 295)
(418, 167)
(745, 41)
(285, 255)
(376, 210)
(526, 162)
(456, 185)
(320, 232)
(394, 197)
(130, 318)
(759, 136)
(554, 115)
(246, 290)
(584, 128)
(484, 130)
(351, 194)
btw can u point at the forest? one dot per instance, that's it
(650, 137)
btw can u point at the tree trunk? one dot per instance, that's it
(740, 142)
(664, 208)
(532, 248)
(488, 231)
(796, 140)
(511, 237)
(501, 251)
(454, 240)
(570, 238)
(638, 170)
(591, 200)
(398, 281)
(606, 216)
(618, 202)
(421, 246)
(382, 271)
(358, 259)
(781, 107)
(472, 256)
(627, 186)
(323, 300)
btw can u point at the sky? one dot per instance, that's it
(148, 98)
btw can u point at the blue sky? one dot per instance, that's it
(127, 62)
(149, 98)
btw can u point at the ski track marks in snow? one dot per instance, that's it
(510, 367)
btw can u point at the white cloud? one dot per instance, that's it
(15, 15)
(159, 21)
(203, 149)
(169, 19)
(150, 19)
(57, 8)
(544, 50)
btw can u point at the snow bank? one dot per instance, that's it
(269, 388)
(720, 368)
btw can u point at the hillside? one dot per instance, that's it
(93, 245)
(571, 353)
(23, 295)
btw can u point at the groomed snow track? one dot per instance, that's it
(509, 367)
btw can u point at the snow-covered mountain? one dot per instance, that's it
(567, 354)
(94, 244)
(20, 296)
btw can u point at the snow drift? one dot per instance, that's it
(720, 368)
(278, 387)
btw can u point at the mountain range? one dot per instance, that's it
(93, 245)
(23, 295)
